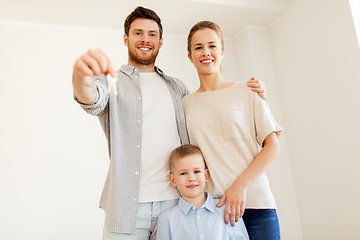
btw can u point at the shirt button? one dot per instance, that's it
(201, 236)
(136, 173)
(139, 98)
(135, 199)
(198, 216)
(193, 208)
(138, 121)
(138, 146)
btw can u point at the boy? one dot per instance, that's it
(196, 215)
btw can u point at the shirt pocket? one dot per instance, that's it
(235, 124)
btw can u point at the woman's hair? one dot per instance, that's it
(202, 25)
(183, 151)
(141, 12)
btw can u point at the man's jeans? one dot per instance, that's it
(146, 220)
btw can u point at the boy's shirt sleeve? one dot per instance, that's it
(163, 228)
(239, 231)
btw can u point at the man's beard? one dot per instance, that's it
(143, 60)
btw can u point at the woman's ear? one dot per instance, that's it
(190, 57)
(172, 180)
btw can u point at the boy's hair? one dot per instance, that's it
(202, 25)
(141, 12)
(183, 151)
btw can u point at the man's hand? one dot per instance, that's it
(90, 64)
(257, 86)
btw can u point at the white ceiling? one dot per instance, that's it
(177, 16)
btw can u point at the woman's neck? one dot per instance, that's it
(212, 82)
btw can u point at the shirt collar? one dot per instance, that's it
(129, 70)
(185, 207)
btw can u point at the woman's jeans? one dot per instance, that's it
(262, 224)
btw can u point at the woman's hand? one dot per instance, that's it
(235, 198)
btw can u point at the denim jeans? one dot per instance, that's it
(262, 224)
(146, 220)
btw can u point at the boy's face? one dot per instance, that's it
(189, 176)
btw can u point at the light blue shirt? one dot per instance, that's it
(186, 221)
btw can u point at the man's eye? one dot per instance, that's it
(212, 46)
(137, 33)
(153, 35)
(197, 48)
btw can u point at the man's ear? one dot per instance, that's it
(207, 175)
(189, 56)
(126, 40)
(161, 43)
(172, 180)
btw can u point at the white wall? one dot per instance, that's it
(317, 62)
(54, 156)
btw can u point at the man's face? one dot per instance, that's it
(143, 41)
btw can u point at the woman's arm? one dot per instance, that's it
(235, 196)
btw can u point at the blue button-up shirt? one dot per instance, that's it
(119, 116)
(186, 221)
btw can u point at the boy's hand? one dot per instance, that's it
(257, 86)
(235, 198)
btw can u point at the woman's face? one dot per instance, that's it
(206, 51)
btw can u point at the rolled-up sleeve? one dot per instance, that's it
(99, 106)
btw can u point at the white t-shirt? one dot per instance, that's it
(159, 138)
(230, 125)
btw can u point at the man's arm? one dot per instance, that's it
(86, 67)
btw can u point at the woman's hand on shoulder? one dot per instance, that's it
(257, 86)
(234, 199)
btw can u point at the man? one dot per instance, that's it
(143, 123)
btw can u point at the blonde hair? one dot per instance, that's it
(183, 151)
(202, 25)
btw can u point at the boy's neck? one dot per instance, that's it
(196, 201)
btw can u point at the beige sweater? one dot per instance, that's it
(230, 125)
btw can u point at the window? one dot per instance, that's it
(355, 10)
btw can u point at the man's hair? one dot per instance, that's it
(141, 12)
(183, 151)
(202, 25)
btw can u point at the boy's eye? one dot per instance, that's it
(197, 48)
(212, 46)
(183, 173)
(197, 171)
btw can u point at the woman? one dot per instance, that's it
(230, 123)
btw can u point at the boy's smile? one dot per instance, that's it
(189, 176)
